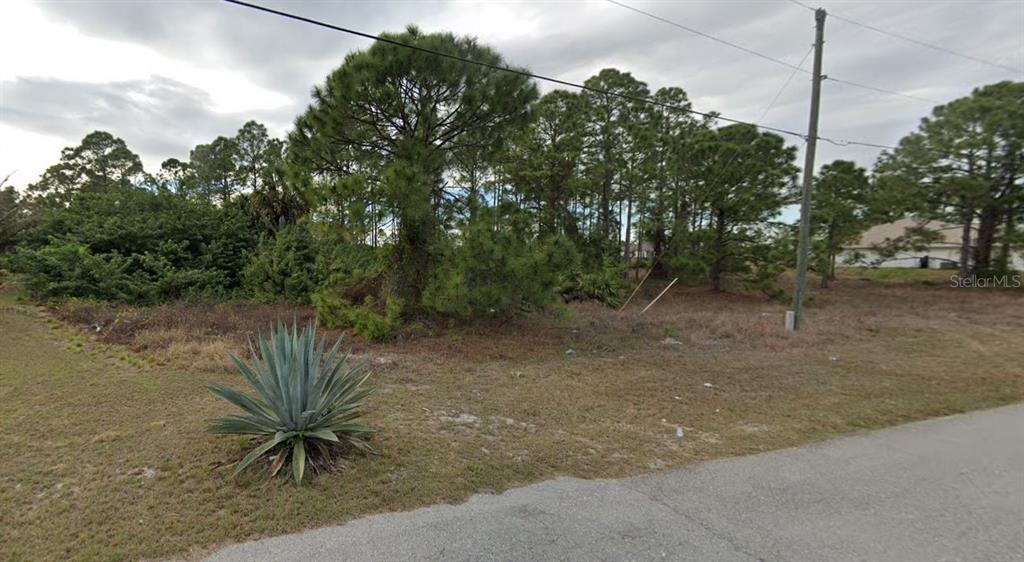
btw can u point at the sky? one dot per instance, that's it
(165, 76)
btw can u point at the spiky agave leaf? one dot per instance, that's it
(303, 391)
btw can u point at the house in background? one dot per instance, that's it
(944, 252)
(642, 252)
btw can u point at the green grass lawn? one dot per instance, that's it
(106, 457)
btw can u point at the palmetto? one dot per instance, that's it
(306, 400)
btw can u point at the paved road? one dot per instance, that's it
(945, 489)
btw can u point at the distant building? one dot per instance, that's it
(642, 252)
(941, 253)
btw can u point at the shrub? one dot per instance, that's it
(498, 272)
(339, 260)
(306, 403)
(284, 266)
(67, 269)
(606, 283)
(134, 245)
(335, 310)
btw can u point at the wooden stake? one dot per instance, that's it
(650, 304)
(631, 295)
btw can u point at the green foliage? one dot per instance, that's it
(404, 118)
(135, 245)
(605, 283)
(354, 294)
(334, 309)
(544, 159)
(215, 169)
(16, 216)
(285, 266)
(766, 261)
(307, 400)
(745, 177)
(686, 258)
(339, 260)
(100, 163)
(962, 165)
(498, 273)
(843, 196)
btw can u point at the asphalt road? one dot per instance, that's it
(944, 489)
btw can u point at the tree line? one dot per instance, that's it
(415, 185)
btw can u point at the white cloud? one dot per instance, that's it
(46, 48)
(90, 62)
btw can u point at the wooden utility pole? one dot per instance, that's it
(793, 321)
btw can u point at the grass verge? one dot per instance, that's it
(104, 416)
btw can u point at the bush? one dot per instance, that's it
(766, 261)
(606, 283)
(687, 257)
(302, 405)
(335, 310)
(498, 273)
(284, 266)
(339, 260)
(134, 245)
(67, 269)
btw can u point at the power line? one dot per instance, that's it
(914, 41)
(512, 70)
(880, 90)
(778, 94)
(708, 36)
(528, 74)
(767, 57)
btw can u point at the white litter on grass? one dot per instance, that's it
(461, 419)
(833, 358)
(677, 397)
(570, 352)
(708, 385)
(680, 433)
(671, 341)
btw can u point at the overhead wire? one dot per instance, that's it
(912, 40)
(785, 85)
(526, 73)
(769, 58)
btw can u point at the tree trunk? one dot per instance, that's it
(1009, 229)
(965, 243)
(826, 270)
(629, 226)
(719, 253)
(986, 236)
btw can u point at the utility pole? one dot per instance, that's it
(793, 317)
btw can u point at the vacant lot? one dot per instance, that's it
(103, 414)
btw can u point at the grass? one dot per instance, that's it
(104, 412)
(900, 275)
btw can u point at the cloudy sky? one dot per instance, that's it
(166, 76)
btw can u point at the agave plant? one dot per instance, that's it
(306, 401)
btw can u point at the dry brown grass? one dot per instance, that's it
(107, 457)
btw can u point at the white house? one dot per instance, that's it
(943, 253)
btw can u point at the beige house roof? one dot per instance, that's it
(879, 233)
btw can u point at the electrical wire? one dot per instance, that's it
(914, 41)
(708, 36)
(770, 58)
(528, 74)
(778, 94)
